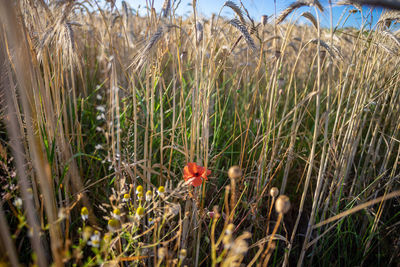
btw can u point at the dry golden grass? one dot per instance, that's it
(101, 110)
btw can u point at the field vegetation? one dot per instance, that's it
(159, 140)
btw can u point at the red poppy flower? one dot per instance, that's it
(195, 174)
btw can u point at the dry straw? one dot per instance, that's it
(282, 206)
(234, 174)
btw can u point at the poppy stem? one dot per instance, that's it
(233, 198)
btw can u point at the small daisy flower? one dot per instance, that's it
(100, 117)
(84, 213)
(95, 239)
(151, 221)
(18, 202)
(161, 191)
(149, 195)
(126, 198)
(113, 225)
(139, 189)
(101, 109)
(139, 212)
(98, 147)
(116, 214)
(139, 195)
(87, 233)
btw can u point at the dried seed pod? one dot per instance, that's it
(274, 192)
(282, 204)
(235, 172)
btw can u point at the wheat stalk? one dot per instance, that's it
(289, 10)
(236, 9)
(237, 24)
(311, 18)
(166, 7)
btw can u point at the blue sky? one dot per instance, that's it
(256, 8)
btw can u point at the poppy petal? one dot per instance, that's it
(186, 173)
(200, 170)
(197, 181)
(192, 167)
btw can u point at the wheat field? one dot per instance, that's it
(162, 140)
